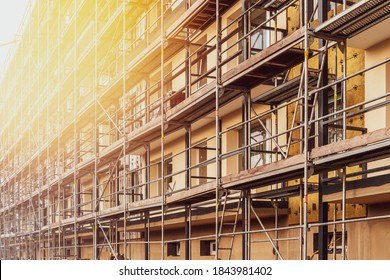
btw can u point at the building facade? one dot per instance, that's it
(197, 129)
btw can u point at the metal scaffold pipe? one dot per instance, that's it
(217, 129)
(162, 61)
(306, 130)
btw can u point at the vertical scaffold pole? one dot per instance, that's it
(124, 132)
(217, 143)
(188, 214)
(245, 203)
(147, 194)
(96, 143)
(48, 136)
(306, 131)
(75, 138)
(162, 126)
(343, 176)
(343, 206)
(59, 128)
(38, 142)
(323, 140)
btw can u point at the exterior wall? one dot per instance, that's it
(368, 240)
(377, 83)
(77, 91)
(260, 250)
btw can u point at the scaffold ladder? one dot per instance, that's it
(228, 227)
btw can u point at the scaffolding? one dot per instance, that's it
(133, 129)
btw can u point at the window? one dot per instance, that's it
(260, 149)
(199, 63)
(154, 16)
(168, 169)
(141, 27)
(134, 161)
(258, 38)
(202, 66)
(261, 38)
(173, 249)
(199, 154)
(336, 128)
(202, 156)
(207, 248)
(138, 103)
(69, 147)
(257, 41)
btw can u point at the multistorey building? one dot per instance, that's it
(197, 129)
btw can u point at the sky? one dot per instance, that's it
(11, 15)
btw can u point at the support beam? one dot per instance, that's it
(187, 140)
(147, 235)
(245, 202)
(187, 230)
(218, 88)
(323, 133)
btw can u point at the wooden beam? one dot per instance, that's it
(349, 144)
(194, 192)
(263, 171)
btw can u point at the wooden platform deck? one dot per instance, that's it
(370, 146)
(355, 19)
(269, 62)
(198, 17)
(252, 72)
(367, 147)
